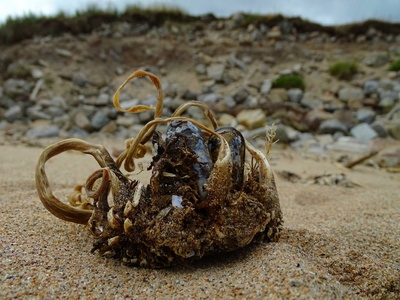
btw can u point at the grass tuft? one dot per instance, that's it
(395, 66)
(343, 70)
(289, 82)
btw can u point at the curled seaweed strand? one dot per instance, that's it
(53, 204)
(104, 175)
(207, 112)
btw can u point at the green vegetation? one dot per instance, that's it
(395, 66)
(289, 82)
(30, 25)
(343, 70)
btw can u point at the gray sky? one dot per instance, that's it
(320, 11)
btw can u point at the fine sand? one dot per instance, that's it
(337, 242)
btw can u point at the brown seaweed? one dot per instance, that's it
(199, 200)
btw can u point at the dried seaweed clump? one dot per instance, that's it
(203, 197)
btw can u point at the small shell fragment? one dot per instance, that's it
(112, 220)
(127, 225)
(114, 240)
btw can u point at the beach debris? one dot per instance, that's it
(202, 198)
(338, 179)
(289, 176)
(360, 160)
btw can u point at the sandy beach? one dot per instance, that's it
(337, 242)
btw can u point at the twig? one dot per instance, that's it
(356, 162)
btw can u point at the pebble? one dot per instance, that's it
(376, 60)
(82, 121)
(252, 118)
(346, 94)
(310, 101)
(13, 114)
(266, 87)
(348, 144)
(363, 132)
(99, 120)
(371, 87)
(380, 129)
(103, 100)
(215, 71)
(366, 115)
(394, 129)
(227, 120)
(44, 131)
(295, 95)
(332, 126)
(36, 113)
(241, 95)
(278, 95)
(15, 87)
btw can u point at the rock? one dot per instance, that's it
(252, 118)
(63, 52)
(99, 120)
(80, 81)
(310, 101)
(363, 132)
(332, 126)
(295, 95)
(146, 116)
(216, 71)
(315, 117)
(266, 87)
(371, 87)
(227, 120)
(365, 115)
(44, 131)
(37, 73)
(236, 62)
(386, 84)
(388, 99)
(4, 125)
(189, 95)
(13, 114)
(36, 113)
(82, 121)
(394, 129)
(376, 60)
(281, 134)
(274, 33)
(102, 100)
(54, 111)
(209, 98)
(125, 121)
(110, 127)
(201, 69)
(129, 103)
(57, 101)
(77, 132)
(229, 102)
(278, 95)
(386, 103)
(334, 104)
(16, 87)
(346, 94)
(241, 95)
(236, 20)
(348, 144)
(63, 122)
(380, 129)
